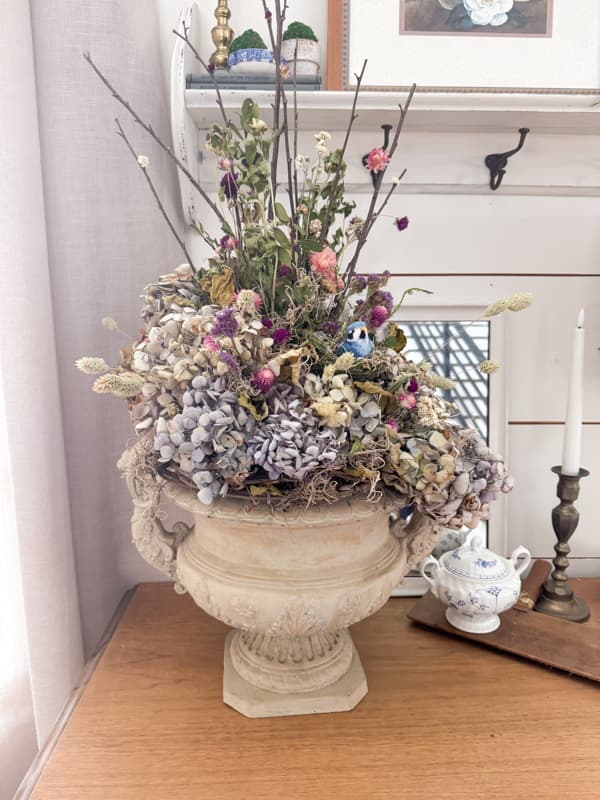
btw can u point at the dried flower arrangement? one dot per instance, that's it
(276, 371)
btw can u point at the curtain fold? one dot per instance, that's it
(42, 652)
(80, 236)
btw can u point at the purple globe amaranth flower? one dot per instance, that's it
(228, 242)
(284, 271)
(401, 223)
(378, 316)
(210, 68)
(263, 379)
(268, 15)
(383, 298)
(229, 185)
(280, 336)
(229, 360)
(374, 279)
(225, 323)
(413, 385)
(385, 276)
(358, 283)
(331, 327)
(267, 323)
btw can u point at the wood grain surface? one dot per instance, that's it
(444, 718)
(558, 643)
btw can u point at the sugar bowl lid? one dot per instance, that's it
(474, 560)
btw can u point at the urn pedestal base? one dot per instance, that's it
(343, 694)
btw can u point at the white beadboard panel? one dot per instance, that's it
(539, 338)
(532, 451)
(486, 234)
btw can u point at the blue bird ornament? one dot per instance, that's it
(356, 340)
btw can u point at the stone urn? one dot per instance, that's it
(289, 584)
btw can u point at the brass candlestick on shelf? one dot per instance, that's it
(557, 597)
(222, 35)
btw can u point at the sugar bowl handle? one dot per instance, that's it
(430, 561)
(521, 559)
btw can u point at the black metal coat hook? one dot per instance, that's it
(497, 162)
(386, 140)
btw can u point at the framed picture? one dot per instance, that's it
(466, 46)
(476, 17)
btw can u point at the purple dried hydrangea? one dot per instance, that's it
(229, 361)
(225, 323)
(383, 298)
(331, 327)
(358, 284)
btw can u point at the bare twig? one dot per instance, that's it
(336, 179)
(161, 208)
(185, 37)
(371, 214)
(296, 198)
(150, 130)
(276, 38)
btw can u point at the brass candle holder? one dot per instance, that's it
(557, 597)
(222, 35)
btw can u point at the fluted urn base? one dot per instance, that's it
(273, 676)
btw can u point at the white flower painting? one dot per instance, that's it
(505, 17)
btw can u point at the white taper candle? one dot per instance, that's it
(571, 458)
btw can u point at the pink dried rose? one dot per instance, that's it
(263, 379)
(377, 160)
(392, 423)
(225, 164)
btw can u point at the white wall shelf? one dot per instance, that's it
(478, 113)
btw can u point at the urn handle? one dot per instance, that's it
(520, 558)
(156, 544)
(430, 561)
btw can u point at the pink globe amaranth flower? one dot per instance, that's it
(263, 379)
(379, 314)
(323, 265)
(392, 423)
(224, 163)
(377, 160)
(408, 401)
(413, 385)
(210, 344)
(401, 223)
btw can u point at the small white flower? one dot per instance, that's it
(488, 367)
(323, 136)
(109, 323)
(258, 125)
(143, 161)
(395, 181)
(92, 365)
(519, 301)
(184, 272)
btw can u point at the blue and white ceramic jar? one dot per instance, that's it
(476, 584)
(252, 61)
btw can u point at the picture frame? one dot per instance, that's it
(462, 64)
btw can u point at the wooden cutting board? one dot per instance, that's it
(569, 646)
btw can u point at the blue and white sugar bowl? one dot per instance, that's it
(475, 583)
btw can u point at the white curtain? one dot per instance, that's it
(79, 237)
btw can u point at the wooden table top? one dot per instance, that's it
(444, 718)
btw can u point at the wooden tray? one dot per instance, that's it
(569, 646)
